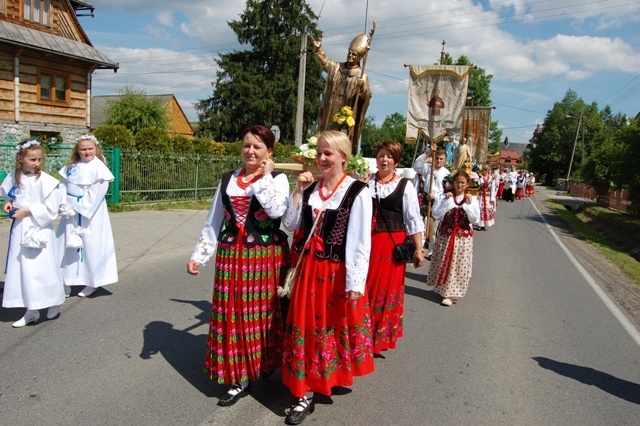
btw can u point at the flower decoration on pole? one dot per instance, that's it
(358, 167)
(343, 118)
(307, 152)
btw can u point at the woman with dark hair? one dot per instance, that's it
(251, 258)
(450, 268)
(396, 216)
(327, 338)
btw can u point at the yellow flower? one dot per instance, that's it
(350, 121)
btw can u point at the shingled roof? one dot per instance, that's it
(22, 36)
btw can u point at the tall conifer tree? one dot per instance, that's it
(259, 85)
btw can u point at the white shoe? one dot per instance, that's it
(67, 290)
(30, 316)
(87, 291)
(53, 312)
(446, 302)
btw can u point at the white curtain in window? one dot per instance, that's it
(45, 11)
(45, 86)
(27, 9)
(61, 89)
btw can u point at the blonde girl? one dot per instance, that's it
(84, 234)
(33, 278)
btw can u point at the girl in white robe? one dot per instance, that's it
(89, 260)
(33, 279)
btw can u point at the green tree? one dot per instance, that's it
(135, 110)
(182, 145)
(153, 139)
(259, 85)
(115, 136)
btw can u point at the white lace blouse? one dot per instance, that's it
(410, 205)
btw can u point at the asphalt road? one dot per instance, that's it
(531, 343)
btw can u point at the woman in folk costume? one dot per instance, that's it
(396, 216)
(450, 269)
(529, 186)
(251, 256)
(520, 182)
(487, 196)
(328, 332)
(33, 279)
(503, 176)
(84, 233)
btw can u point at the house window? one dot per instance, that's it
(53, 87)
(37, 11)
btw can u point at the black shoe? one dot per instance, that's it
(231, 398)
(296, 417)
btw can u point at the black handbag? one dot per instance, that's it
(402, 252)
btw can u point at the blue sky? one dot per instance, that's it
(535, 49)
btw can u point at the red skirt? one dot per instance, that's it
(500, 190)
(245, 329)
(385, 290)
(529, 190)
(520, 193)
(327, 339)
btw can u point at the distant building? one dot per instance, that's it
(178, 123)
(508, 158)
(46, 62)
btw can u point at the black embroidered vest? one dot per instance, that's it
(261, 229)
(334, 225)
(391, 208)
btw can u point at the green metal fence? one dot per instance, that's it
(146, 177)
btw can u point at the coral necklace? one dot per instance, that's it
(245, 185)
(335, 188)
(464, 198)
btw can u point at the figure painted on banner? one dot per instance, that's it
(327, 339)
(242, 231)
(32, 198)
(346, 85)
(85, 239)
(436, 103)
(434, 188)
(450, 269)
(463, 153)
(396, 218)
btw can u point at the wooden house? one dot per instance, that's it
(178, 122)
(46, 63)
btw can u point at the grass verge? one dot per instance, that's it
(629, 266)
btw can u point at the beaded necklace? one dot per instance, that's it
(245, 185)
(456, 202)
(321, 184)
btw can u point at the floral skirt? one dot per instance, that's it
(454, 280)
(487, 214)
(245, 329)
(385, 290)
(327, 338)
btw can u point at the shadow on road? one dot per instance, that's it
(182, 350)
(621, 388)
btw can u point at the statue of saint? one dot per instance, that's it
(463, 152)
(346, 85)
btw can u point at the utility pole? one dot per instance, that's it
(574, 146)
(301, 82)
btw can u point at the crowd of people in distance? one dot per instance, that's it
(42, 262)
(515, 185)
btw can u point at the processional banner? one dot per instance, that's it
(476, 125)
(437, 96)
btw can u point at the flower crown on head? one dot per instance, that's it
(24, 145)
(88, 136)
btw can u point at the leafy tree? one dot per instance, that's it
(182, 145)
(115, 136)
(153, 139)
(135, 110)
(207, 146)
(259, 85)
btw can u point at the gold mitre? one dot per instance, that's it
(360, 44)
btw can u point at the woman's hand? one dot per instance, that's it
(305, 179)
(418, 258)
(353, 295)
(448, 194)
(469, 198)
(267, 166)
(7, 207)
(192, 267)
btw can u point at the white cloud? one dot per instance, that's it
(157, 32)
(165, 18)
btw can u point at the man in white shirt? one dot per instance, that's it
(434, 188)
